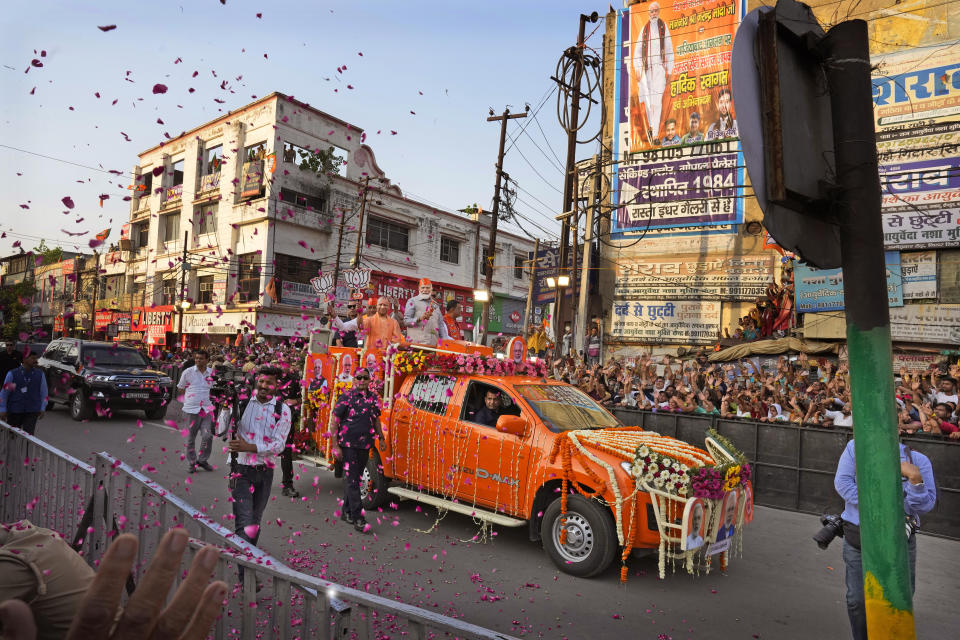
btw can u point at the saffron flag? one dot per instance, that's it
(103, 235)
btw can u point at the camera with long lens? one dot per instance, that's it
(226, 382)
(832, 527)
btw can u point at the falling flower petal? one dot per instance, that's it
(109, 27)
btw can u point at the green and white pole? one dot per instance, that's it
(889, 597)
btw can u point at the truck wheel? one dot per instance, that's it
(157, 413)
(79, 406)
(373, 485)
(590, 542)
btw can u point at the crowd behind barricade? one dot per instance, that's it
(805, 391)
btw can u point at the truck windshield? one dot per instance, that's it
(113, 357)
(565, 408)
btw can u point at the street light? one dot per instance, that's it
(481, 295)
(559, 282)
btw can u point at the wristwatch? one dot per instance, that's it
(918, 484)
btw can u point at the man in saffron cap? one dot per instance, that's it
(424, 317)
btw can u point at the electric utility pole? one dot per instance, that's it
(492, 250)
(184, 267)
(570, 177)
(365, 185)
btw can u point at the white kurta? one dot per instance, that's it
(652, 81)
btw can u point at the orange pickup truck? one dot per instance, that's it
(496, 440)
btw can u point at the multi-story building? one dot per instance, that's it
(239, 199)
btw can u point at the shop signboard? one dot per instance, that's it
(822, 289)
(916, 95)
(217, 323)
(666, 321)
(919, 275)
(932, 323)
(299, 294)
(279, 324)
(695, 277)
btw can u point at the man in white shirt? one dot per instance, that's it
(255, 447)
(947, 391)
(195, 383)
(842, 418)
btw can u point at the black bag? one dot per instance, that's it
(851, 533)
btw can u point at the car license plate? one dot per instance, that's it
(137, 395)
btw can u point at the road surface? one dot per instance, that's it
(783, 587)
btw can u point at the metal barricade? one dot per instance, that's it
(54, 490)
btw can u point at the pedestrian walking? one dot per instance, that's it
(23, 398)
(10, 359)
(195, 383)
(255, 443)
(356, 422)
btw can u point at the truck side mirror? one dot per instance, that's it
(514, 425)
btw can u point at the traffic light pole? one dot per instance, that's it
(889, 596)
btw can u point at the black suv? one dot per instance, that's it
(88, 376)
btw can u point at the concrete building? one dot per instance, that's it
(256, 226)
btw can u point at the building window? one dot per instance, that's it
(255, 152)
(485, 261)
(518, 265)
(170, 227)
(214, 159)
(311, 202)
(207, 218)
(382, 233)
(145, 184)
(248, 277)
(141, 235)
(294, 269)
(169, 291)
(177, 173)
(205, 290)
(449, 250)
(114, 286)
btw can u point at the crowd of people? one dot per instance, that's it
(804, 390)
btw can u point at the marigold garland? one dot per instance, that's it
(412, 361)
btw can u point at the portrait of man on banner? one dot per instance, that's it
(676, 64)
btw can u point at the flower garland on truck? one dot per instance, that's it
(668, 465)
(413, 361)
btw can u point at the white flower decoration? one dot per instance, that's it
(666, 462)
(682, 491)
(637, 470)
(658, 482)
(653, 468)
(648, 478)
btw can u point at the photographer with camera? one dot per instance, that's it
(258, 433)
(919, 496)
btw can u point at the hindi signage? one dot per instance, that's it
(694, 277)
(300, 294)
(934, 323)
(666, 321)
(697, 185)
(822, 289)
(919, 275)
(916, 98)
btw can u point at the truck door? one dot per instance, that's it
(419, 416)
(492, 465)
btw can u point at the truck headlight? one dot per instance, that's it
(89, 377)
(628, 467)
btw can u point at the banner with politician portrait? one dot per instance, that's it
(674, 73)
(677, 150)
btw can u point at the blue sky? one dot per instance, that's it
(463, 57)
